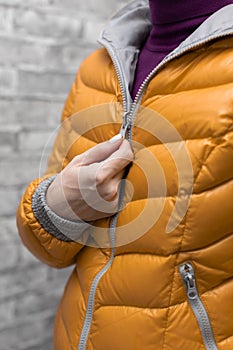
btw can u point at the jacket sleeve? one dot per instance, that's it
(42, 240)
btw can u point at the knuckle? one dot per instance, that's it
(110, 193)
(100, 177)
(76, 159)
(129, 155)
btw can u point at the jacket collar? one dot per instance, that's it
(128, 29)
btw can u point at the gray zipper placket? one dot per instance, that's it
(130, 111)
(126, 98)
(188, 277)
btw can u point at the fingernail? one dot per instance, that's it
(115, 138)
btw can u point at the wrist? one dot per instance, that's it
(56, 201)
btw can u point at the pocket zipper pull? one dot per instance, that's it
(188, 276)
(189, 279)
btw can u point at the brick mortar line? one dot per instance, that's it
(58, 11)
(19, 293)
(27, 319)
(37, 96)
(41, 39)
(28, 98)
(50, 40)
(57, 42)
(26, 157)
(60, 68)
(32, 343)
(31, 68)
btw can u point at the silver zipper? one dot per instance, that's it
(130, 111)
(91, 299)
(188, 277)
(168, 58)
(124, 91)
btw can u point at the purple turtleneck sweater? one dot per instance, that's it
(172, 22)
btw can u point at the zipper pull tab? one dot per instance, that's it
(125, 125)
(124, 129)
(187, 273)
(188, 277)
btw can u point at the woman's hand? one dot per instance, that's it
(87, 188)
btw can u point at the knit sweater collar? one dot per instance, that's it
(174, 21)
(170, 11)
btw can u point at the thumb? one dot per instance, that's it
(99, 152)
(118, 160)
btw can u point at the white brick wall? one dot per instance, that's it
(42, 43)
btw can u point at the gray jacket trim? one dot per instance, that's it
(62, 229)
(134, 19)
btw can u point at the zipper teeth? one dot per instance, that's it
(90, 307)
(119, 73)
(129, 114)
(167, 59)
(91, 299)
(207, 330)
(188, 277)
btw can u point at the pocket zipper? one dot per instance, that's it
(188, 277)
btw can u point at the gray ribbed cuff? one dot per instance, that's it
(62, 229)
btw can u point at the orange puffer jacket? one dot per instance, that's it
(158, 274)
